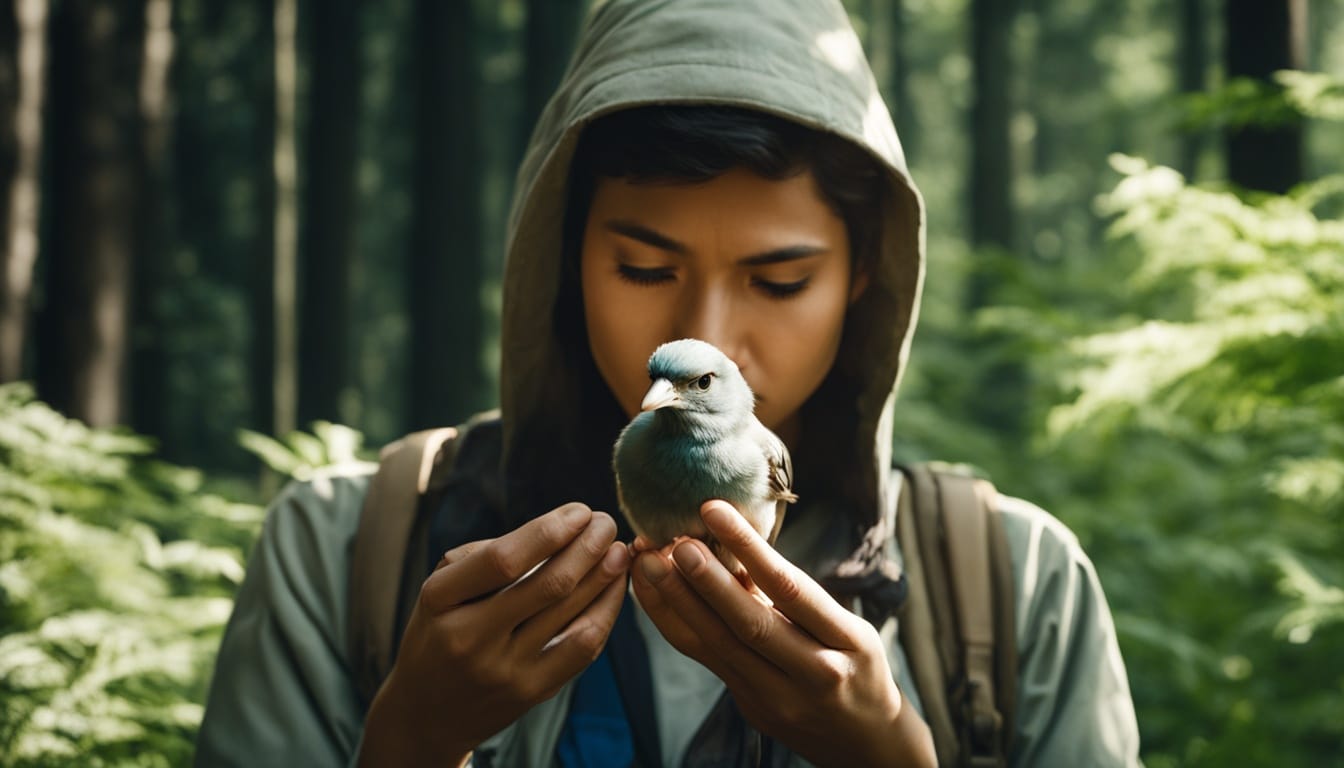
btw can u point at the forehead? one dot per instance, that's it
(736, 208)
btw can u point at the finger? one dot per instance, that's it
(653, 566)
(480, 570)
(756, 624)
(458, 554)
(558, 578)
(693, 627)
(539, 630)
(794, 593)
(570, 652)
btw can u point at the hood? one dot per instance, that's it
(798, 59)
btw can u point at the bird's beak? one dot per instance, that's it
(660, 395)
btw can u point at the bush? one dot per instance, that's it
(116, 579)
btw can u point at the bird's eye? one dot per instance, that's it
(703, 383)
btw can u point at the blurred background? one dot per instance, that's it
(245, 240)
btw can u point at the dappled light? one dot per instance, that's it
(246, 246)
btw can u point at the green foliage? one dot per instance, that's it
(1292, 96)
(116, 578)
(1186, 419)
(1210, 430)
(301, 454)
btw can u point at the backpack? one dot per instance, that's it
(956, 609)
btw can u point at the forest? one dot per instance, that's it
(243, 241)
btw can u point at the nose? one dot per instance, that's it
(707, 313)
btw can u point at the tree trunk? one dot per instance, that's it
(22, 51)
(328, 235)
(991, 152)
(274, 250)
(445, 270)
(286, 268)
(1264, 36)
(1192, 57)
(1001, 391)
(551, 30)
(149, 389)
(97, 47)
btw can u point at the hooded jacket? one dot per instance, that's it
(282, 692)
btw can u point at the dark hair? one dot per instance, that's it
(692, 143)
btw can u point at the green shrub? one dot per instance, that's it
(116, 579)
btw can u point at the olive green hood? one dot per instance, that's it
(798, 59)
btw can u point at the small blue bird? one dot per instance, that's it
(697, 439)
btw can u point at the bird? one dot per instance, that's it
(697, 438)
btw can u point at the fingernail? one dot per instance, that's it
(576, 513)
(617, 559)
(688, 557)
(655, 567)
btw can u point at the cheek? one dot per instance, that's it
(620, 334)
(799, 348)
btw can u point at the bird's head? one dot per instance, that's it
(694, 376)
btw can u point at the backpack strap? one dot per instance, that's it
(958, 624)
(390, 526)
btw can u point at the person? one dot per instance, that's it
(718, 170)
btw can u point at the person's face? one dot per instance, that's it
(759, 268)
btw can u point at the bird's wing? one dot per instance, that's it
(779, 473)
(780, 466)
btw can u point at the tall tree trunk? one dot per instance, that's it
(23, 25)
(283, 342)
(551, 30)
(991, 176)
(97, 46)
(328, 235)
(1001, 393)
(445, 270)
(149, 389)
(274, 246)
(1192, 56)
(1264, 36)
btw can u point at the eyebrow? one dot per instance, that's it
(662, 242)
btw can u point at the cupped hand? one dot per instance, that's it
(800, 667)
(498, 627)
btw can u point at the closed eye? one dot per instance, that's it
(646, 275)
(777, 290)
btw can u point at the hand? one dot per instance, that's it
(498, 627)
(800, 667)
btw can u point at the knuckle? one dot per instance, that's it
(506, 560)
(758, 628)
(787, 588)
(597, 538)
(789, 715)
(555, 583)
(741, 535)
(588, 641)
(837, 669)
(456, 643)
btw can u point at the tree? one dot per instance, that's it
(275, 248)
(445, 270)
(327, 238)
(991, 177)
(149, 358)
(22, 49)
(1192, 54)
(97, 46)
(1000, 394)
(1264, 36)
